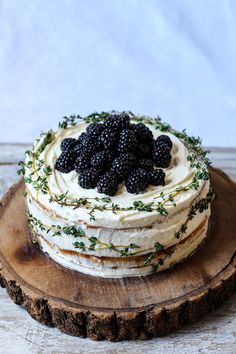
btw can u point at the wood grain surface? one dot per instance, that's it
(210, 335)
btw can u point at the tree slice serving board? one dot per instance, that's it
(119, 309)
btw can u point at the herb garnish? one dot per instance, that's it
(37, 173)
(89, 243)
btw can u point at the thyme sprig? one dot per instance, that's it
(69, 121)
(78, 232)
(39, 173)
(200, 206)
(96, 117)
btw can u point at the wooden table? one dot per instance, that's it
(22, 335)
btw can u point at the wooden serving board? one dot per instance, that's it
(119, 309)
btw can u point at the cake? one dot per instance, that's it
(116, 194)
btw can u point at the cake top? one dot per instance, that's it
(115, 169)
(115, 151)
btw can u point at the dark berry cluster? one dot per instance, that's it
(116, 151)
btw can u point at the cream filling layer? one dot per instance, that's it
(145, 238)
(122, 269)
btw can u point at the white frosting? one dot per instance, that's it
(122, 269)
(123, 227)
(144, 238)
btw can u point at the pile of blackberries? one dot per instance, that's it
(116, 151)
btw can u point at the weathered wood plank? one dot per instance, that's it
(221, 149)
(12, 153)
(8, 176)
(21, 334)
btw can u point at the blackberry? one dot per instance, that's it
(129, 157)
(137, 181)
(111, 155)
(82, 163)
(100, 160)
(117, 121)
(122, 167)
(108, 184)
(88, 179)
(65, 162)
(127, 141)
(78, 149)
(68, 143)
(161, 155)
(143, 133)
(82, 137)
(108, 138)
(157, 177)
(90, 145)
(146, 164)
(164, 139)
(143, 151)
(94, 129)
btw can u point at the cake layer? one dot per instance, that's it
(108, 267)
(144, 238)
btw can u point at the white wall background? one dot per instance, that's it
(176, 58)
